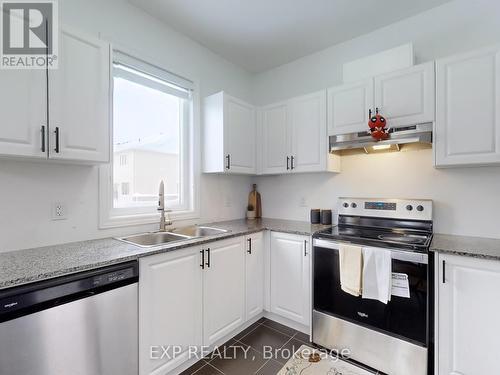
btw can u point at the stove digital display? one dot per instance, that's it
(380, 206)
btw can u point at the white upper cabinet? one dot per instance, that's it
(467, 128)
(77, 124)
(170, 307)
(407, 97)
(79, 100)
(290, 276)
(467, 308)
(348, 107)
(275, 139)
(309, 139)
(254, 275)
(23, 106)
(229, 135)
(294, 136)
(223, 288)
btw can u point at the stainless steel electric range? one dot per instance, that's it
(395, 337)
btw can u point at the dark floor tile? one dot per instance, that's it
(239, 361)
(280, 327)
(262, 320)
(219, 351)
(208, 370)
(246, 331)
(264, 339)
(270, 368)
(302, 337)
(287, 351)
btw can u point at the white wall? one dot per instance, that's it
(466, 199)
(457, 26)
(27, 189)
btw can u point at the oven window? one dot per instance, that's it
(402, 317)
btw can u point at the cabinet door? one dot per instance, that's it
(254, 275)
(170, 307)
(468, 109)
(407, 97)
(275, 139)
(348, 107)
(309, 134)
(290, 270)
(21, 129)
(467, 310)
(223, 288)
(239, 136)
(79, 99)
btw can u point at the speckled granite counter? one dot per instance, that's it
(25, 266)
(488, 248)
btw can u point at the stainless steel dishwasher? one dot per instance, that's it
(81, 324)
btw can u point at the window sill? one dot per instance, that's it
(143, 219)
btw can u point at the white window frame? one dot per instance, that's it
(109, 217)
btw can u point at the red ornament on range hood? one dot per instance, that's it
(377, 125)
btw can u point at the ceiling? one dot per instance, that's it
(261, 34)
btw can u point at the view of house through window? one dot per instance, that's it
(148, 130)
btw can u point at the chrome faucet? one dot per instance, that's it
(164, 222)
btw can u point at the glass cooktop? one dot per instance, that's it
(386, 237)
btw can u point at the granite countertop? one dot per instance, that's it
(30, 265)
(478, 247)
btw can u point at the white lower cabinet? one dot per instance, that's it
(467, 306)
(170, 307)
(198, 295)
(290, 276)
(254, 275)
(223, 288)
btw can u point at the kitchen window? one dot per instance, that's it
(152, 142)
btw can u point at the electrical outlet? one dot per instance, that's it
(59, 211)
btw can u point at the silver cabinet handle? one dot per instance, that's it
(305, 248)
(228, 158)
(292, 159)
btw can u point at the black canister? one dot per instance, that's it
(315, 216)
(326, 217)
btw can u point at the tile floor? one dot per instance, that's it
(257, 342)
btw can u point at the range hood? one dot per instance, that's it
(417, 134)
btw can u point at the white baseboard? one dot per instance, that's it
(290, 323)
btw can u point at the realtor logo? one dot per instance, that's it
(29, 34)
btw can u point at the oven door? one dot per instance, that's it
(404, 318)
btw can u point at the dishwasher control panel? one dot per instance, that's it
(112, 277)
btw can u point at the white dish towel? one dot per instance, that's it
(351, 261)
(377, 274)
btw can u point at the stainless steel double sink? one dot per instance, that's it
(175, 235)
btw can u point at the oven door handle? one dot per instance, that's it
(404, 256)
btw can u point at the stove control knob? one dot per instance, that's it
(354, 205)
(346, 205)
(409, 207)
(420, 208)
